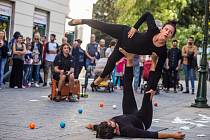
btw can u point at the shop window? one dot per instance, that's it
(40, 24)
(5, 18)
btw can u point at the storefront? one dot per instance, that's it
(5, 17)
(43, 16)
(40, 23)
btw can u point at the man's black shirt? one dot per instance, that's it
(174, 55)
(63, 63)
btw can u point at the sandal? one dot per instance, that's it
(93, 86)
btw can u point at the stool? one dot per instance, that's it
(66, 89)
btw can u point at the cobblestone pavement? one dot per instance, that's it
(21, 106)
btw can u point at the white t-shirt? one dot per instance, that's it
(109, 51)
(52, 47)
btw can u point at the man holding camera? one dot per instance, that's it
(189, 54)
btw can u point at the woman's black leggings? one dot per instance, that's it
(129, 103)
(16, 76)
(114, 30)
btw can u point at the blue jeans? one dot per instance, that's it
(27, 73)
(189, 74)
(136, 71)
(2, 66)
(36, 70)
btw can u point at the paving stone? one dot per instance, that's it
(17, 111)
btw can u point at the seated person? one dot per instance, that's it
(133, 123)
(63, 68)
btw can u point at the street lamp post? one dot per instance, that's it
(201, 100)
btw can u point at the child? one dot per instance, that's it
(120, 65)
(28, 60)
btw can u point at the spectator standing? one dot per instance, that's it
(28, 60)
(111, 47)
(120, 66)
(36, 49)
(52, 49)
(44, 42)
(92, 51)
(18, 50)
(13, 40)
(173, 63)
(92, 55)
(102, 48)
(64, 40)
(79, 57)
(3, 55)
(28, 41)
(189, 54)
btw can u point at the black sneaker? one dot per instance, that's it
(175, 91)
(44, 85)
(187, 91)
(58, 98)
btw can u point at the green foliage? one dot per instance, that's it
(104, 10)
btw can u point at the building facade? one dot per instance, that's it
(80, 11)
(29, 16)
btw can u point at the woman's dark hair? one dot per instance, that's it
(112, 42)
(19, 35)
(16, 35)
(65, 44)
(104, 131)
(172, 23)
(175, 40)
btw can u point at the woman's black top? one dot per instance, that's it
(142, 43)
(131, 126)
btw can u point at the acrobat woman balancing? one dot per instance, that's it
(132, 41)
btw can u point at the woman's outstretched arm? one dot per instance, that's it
(148, 17)
(134, 132)
(176, 135)
(155, 74)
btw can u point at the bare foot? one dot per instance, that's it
(126, 54)
(154, 57)
(74, 22)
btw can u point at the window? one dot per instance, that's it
(40, 24)
(5, 18)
